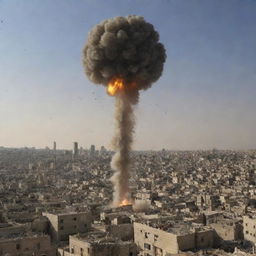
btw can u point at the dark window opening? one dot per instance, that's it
(147, 246)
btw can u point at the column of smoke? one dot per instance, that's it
(128, 49)
(122, 144)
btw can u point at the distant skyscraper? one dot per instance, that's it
(54, 146)
(75, 150)
(92, 150)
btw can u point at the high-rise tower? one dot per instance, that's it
(75, 150)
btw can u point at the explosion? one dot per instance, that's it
(115, 85)
(124, 54)
(124, 203)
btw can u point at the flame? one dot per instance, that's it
(125, 202)
(115, 85)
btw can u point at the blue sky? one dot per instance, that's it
(204, 99)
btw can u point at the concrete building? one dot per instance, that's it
(64, 224)
(27, 245)
(75, 149)
(92, 150)
(98, 244)
(228, 229)
(162, 240)
(249, 224)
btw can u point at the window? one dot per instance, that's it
(75, 227)
(85, 225)
(202, 239)
(246, 232)
(131, 254)
(147, 246)
(61, 228)
(82, 251)
(17, 246)
(155, 237)
(74, 219)
(61, 221)
(146, 235)
(72, 250)
(246, 224)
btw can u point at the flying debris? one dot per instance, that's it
(125, 55)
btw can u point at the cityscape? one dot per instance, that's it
(127, 128)
(58, 202)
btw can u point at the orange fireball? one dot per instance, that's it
(115, 85)
(124, 202)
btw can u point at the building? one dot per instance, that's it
(98, 244)
(170, 238)
(27, 245)
(92, 150)
(64, 224)
(228, 229)
(75, 149)
(54, 146)
(249, 224)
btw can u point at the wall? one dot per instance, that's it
(63, 225)
(26, 246)
(249, 225)
(124, 232)
(156, 238)
(101, 249)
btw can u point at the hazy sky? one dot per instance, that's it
(206, 97)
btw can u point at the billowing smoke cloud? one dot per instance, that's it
(127, 48)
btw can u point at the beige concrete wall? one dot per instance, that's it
(226, 232)
(75, 246)
(204, 239)
(186, 242)
(156, 238)
(78, 246)
(163, 243)
(249, 225)
(124, 232)
(27, 246)
(73, 224)
(63, 252)
(53, 229)
(63, 225)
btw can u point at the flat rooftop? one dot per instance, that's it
(174, 227)
(98, 237)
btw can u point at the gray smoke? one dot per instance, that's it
(126, 47)
(122, 142)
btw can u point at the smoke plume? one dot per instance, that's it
(122, 142)
(128, 49)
